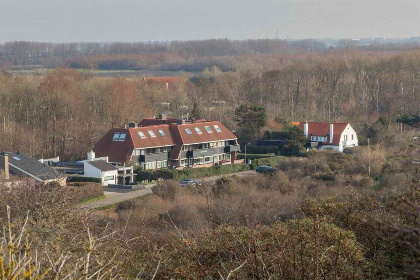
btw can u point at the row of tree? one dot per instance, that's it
(65, 112)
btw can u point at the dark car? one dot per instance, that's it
(189, 182)
(265, 169)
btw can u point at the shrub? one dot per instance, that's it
(83, 179)
(178, 174)
(166, 189)
(255, 156)
(271, 161)
(85, 191)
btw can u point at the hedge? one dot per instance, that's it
(255, 156)
(271, 161)
(178, 174)
(84, 179)
(251, 149)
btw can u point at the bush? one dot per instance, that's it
(166, 189)
(270, 161)
(261, 149)
(85, 191)
(84, 179)
(177, 175)
(255, 156)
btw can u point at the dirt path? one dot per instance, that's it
(113, 196)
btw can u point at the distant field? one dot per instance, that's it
(110, 73)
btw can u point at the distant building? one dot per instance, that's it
(20, 165)
(323, 135)
(174, 143)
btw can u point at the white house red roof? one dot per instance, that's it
(323, 129)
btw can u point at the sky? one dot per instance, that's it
(167, 20)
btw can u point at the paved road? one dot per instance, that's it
(113, 195)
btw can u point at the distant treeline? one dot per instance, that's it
(176, 55)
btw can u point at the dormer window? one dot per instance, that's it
(198, 130)
(119, 136)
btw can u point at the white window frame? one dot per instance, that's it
(208, 129)
(189, 132)
(198, 130)
(152, 133)
(142, 135)
(218, 129)
(162, 133)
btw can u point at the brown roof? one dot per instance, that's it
(116, 151)
(175, 135)
(153, 121)
(149, 141)
(323, 129)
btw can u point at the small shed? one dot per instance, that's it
(101, 169)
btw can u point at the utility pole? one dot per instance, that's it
(369, 155)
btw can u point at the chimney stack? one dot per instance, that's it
(331, 132)
(4, 164)
(91, 155)
(305, 129)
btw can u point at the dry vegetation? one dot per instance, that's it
(321, 217)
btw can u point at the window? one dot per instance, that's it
(207, 159)
(188, 131)
(151, 133)
(161, 132)
(119, 137)
(141, 134)
(217, 128)
(208, 129)
(198, 130)
(213, 144)
(108, 178)
(16, 158)
(352, 137)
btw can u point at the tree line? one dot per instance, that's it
(65, 112)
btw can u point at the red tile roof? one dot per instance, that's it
(323, 129)
(116, 151)
(175, 135)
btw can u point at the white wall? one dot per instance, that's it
(91, 171)
(346, 140)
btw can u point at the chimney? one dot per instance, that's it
(162, 116)
(331, 132)
(4, 164)
(132, 124)
(91, 155)
(305, 129)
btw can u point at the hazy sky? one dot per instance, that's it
(142, 20)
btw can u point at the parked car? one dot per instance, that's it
(189, 182)
(265, 169)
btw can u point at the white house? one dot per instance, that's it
(322, 135)
(101, 169)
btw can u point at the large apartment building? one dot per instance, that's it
(174, 143)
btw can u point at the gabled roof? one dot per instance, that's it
(323, 129)
(175, 136)
(102, 165)
(22, 164)
(195, 137)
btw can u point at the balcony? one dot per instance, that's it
(198, 153)
(232, 148)
(153, 157)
